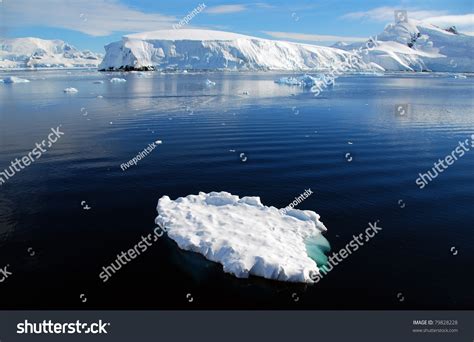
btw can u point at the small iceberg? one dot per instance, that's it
(245, 236)
(209, 83)
(70, 90)
(14, 79)
(118, 80)
(304, 81)
(460, 76)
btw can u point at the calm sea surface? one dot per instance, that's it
(350, 146)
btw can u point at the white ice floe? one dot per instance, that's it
(118, 80)
(14, 79)
(209, 83)
(304, 81)
(70, 90)
(242, 234)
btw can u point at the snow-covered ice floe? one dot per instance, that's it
(304, 81)
(245, 236)
(210, 83)
(118, 80)
(14, 79)
(70, 90)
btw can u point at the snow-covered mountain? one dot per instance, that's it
(206, 49)
(40, 53)
(406, 46)
(417, 46)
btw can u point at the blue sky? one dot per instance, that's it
(91, 24)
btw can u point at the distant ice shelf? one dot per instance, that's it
(245, 236)
(405, 46)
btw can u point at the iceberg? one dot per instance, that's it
(118, 80)
(210, 83)
(70, 90)
(406, 46)
(14, 79)
(201, 50)
(245, 236)
(304, 81)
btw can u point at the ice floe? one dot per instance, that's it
(70, 90)
(118, 80)
(245, 236)
(304, 81)
(209, 83)
(14, 79)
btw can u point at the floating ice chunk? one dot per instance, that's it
(141, 74)
(304, 81)
(245, 236)
(14, 79)
(209, 83)
(460, 76)
(70, 90)
(118, 80)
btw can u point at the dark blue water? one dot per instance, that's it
(293, 141)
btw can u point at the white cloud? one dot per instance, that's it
(313, 37)
(386, 14)
(225, 9)
(235, 8)
(96, 18)
(463, 22)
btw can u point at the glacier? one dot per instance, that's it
(417, 46)
(187, 49)
(22, 53)
(406, 46)
(245, 236)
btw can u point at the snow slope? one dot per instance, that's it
(40, 53)
(418, 46)
(207, 49)
(242, 234)
(406, 46)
